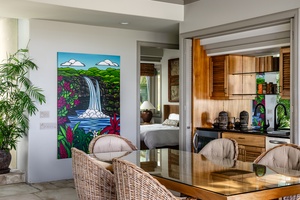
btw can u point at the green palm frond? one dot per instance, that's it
(18, 97)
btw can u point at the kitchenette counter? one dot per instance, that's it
(269, 132)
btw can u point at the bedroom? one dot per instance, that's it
(154, 87)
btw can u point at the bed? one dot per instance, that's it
(165, 135)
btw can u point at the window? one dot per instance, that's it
(150, 89)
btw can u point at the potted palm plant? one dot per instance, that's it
(18, 98)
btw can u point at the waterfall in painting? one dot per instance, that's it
(94, 110)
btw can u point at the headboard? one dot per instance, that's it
(170, 109)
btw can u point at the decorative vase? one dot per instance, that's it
(5, 159)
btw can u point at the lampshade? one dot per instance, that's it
(146, 105)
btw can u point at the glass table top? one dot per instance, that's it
(222, 176)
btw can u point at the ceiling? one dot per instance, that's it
(182, 2)
(37, 9)
(57, 11)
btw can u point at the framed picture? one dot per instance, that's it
(173, 76)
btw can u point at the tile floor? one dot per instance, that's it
(56, 190)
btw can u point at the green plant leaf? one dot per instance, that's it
(18, 98)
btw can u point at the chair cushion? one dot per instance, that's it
(221, 148)
(111, 144)
(283, 157)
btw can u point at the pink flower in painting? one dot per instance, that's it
(263, 101)
(262, 116)
(61, 102)
(76, 102)
(62, 151)
(59, 89)
(61, 120)
(69, 135)
(59, 78)
(67, 86)
(68, 106)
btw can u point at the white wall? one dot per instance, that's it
(209, 13)
(46, 39)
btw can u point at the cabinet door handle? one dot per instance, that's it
(242, 138)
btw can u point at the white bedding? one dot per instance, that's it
(158, 135)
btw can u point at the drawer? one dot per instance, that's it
(246, 139)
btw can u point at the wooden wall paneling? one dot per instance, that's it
(234, 107)
(209, 112)
(200, 82)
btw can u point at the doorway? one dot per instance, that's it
(154, 88)
(290, 17)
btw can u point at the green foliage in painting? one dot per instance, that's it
(284, 120)
(110, 75)
(68, 138)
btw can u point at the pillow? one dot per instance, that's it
(171, 122)
(174, 116)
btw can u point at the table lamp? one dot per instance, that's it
(146, 114)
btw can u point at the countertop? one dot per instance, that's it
(248, 131)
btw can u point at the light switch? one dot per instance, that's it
(44, 114)
(44, 126)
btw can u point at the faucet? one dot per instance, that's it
(276, 125)
(265, 126)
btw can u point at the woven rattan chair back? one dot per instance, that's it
(223, 148)
(110, 143)
(133, 183)
(285, 156)
(92, 181)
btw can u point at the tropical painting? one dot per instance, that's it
(88, 99)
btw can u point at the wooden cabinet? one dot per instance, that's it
(243, 69)
(250, 146)
(284, 77)
(232, 77)
(218, 77)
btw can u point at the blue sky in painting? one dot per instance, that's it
(85, 61)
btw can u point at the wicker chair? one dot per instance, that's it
(285, 156)
(110, 143)
(223, 148)
(92, 181)
(133, 183)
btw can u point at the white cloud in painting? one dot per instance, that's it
(73, 63)
(107, 63)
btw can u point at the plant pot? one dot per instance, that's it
(5, 159)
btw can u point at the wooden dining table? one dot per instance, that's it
(203, 177)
